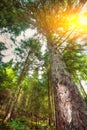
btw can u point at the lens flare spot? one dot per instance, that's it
(83, 19)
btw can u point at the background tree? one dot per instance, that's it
(28, 55)
(76, 66)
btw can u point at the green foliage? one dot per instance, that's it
(35, 93)
(17, 29)
(2, 75)
(8, 78)
(31, 46)
(11, 17)
(76, 60)
(48, 128)
(17, 125)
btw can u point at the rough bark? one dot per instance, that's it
(70, 109)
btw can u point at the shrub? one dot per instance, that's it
(17, 125)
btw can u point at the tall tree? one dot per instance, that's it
(47, 75)
(51, 20)
(30, 49)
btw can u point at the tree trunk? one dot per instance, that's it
(49, 98)
(17, 93)
(11, 107)
(70, 109)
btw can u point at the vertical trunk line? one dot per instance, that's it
(70, 108)
(17, 92)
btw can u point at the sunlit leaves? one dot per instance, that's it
(76, 60)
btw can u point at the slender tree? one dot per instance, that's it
(46, 74)
(30, 52)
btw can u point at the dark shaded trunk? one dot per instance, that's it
(70, 108)
(11, 107)
(49, 98)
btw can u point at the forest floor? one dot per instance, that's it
(18, 125)
(4, 128)
(24, 123)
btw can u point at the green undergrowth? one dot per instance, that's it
(23, 124)
(17, 125)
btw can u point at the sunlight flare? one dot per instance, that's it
(78, 20)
